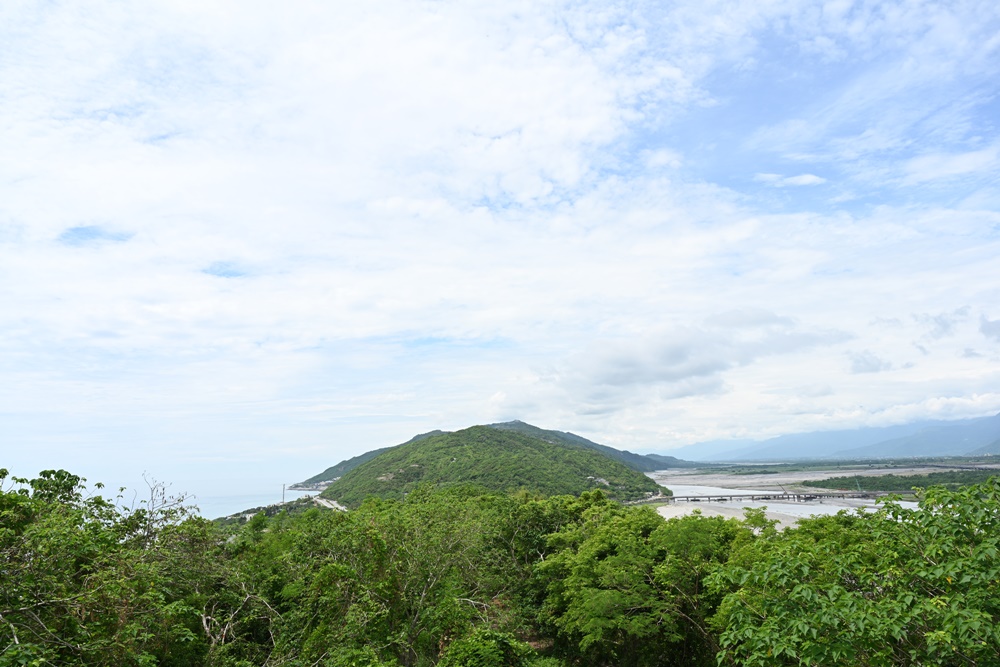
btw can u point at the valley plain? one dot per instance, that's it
(705, 481)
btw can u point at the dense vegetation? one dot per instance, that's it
(339, 470)
(640, 462)
(498, 460)
(951, 479)
(461, 577)
(344, 467)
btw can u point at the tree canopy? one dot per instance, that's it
(466, 577)
(495, 459)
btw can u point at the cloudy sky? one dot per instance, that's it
(243, 236)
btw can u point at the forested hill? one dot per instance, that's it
(640, 462)
(339, 470)
(342, 468)
(494, 459)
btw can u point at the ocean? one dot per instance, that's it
(218, 505)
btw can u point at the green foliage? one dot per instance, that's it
(640, 462)
(895, 587)
(496, 460)
(487, 648)
(295, 506)
(461, 577)
(396, 578)
(344, 467)
(951, 479)
(624, 587)
(89, 582)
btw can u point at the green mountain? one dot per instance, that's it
(991, 449)
(499, 459)
(336, 472)
(640, 462)
(667, 462)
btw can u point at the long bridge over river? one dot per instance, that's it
(794, 497)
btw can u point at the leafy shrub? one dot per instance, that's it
(487, 648)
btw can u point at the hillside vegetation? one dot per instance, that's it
(640, 462)
(344, 467)
(493, 459)
(455, 577)
(952, 479)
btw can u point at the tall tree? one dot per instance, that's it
(895, 587)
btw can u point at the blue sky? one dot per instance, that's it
(241, 238)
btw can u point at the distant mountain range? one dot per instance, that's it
(964, 437)
(515, 455)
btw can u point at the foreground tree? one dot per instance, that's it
(625, 587)
(85, 581)
(465, 578)
(894, 587)
(391, 583)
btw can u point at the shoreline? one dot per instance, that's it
(697, 481)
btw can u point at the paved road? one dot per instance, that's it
(331, 504)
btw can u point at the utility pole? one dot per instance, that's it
(282, 494)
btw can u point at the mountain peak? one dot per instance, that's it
(498, 459)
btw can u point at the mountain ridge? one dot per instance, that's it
(964, 437)
(639, 462)
(491, 458)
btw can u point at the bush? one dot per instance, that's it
(487, 648)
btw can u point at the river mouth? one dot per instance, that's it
(712, 482)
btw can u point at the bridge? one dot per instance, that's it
(794, 497)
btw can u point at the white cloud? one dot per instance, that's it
(230, 229)
(804, 179)
(663, 158)
(938, 166)
(990, 328)
(942, 324)
(866, 362)
(779, 181)
(903, 93)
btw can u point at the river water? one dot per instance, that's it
(214, 503)
(795, 509)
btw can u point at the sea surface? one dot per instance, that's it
(214, 505)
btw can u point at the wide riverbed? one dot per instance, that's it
(786, 513)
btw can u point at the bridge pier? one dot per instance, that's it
(796, 497)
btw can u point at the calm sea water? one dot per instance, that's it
(215, 506)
